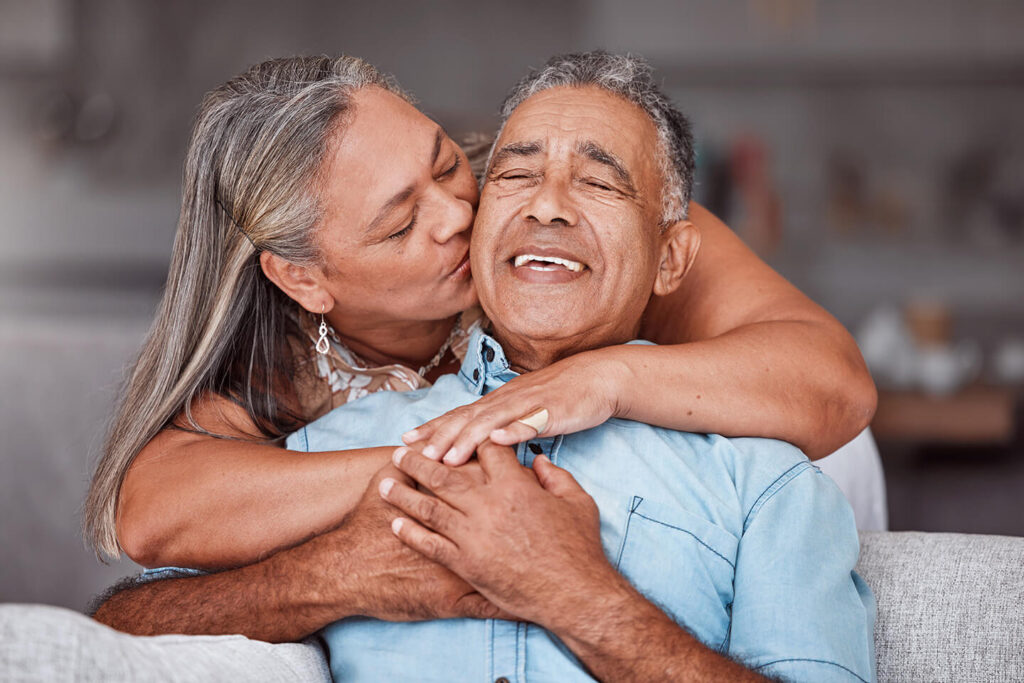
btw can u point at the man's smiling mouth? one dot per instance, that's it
(546, 263)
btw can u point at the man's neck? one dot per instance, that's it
(527, 354)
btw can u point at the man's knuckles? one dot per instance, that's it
(432, 547)
(429, 512)
(437, 478)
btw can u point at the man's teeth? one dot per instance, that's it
(574, 266)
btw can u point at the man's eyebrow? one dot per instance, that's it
(400, 197)
(596, 152)
(516, 149)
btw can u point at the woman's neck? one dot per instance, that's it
(412, 344)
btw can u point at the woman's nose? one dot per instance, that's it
(457, 216)
(551, 203)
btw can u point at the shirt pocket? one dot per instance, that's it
(682, 563)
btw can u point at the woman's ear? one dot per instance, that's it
(680, 243)
(302, 284)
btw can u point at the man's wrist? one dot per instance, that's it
(586, 610)
(317, 585)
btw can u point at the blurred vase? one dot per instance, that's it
(944, 369)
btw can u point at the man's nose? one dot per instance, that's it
(551, 203)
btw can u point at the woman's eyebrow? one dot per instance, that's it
(439, 137)
(596, 152)
(388, 207)
(400, 197)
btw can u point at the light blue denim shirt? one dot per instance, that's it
(741, 541)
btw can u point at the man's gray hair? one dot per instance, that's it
(630, 78)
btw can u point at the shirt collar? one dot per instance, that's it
(485, 366)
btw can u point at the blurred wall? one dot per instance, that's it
(890, 136)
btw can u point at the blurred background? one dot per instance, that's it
(872, 152)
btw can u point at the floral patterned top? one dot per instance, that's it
(340, 376)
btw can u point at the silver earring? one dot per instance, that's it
(322, 346)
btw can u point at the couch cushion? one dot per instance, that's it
(950, 606)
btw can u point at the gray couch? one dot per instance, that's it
(950, 608)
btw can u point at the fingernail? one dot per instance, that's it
(409, 436)
(399, 453)
(386, 485)
(396, 524)
(431, 452)
(451, 455)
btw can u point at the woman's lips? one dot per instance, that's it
(462, 270)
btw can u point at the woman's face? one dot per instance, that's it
(399, 200)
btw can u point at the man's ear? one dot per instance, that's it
(301, 283)
(680, 243)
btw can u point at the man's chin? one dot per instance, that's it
(536, 323)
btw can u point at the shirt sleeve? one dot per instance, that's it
(800, 612)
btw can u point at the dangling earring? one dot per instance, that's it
(322, 346)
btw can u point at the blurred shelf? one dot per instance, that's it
(977, 415)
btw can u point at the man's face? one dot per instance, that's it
(567, 244)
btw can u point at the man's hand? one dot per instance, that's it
(394, 582)
(529, 541)
(479, 530)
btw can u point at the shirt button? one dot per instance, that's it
(501, 680)
(476, 374)
(488, 353)
(537, 450)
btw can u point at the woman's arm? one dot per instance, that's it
(749, 355)
(197, 501)
(744, 354)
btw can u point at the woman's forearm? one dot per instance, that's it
(197, 501)
(781, 379)
(764, 359)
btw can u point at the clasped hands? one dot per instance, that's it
(527, 540)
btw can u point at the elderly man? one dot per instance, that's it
(623, 552)
(689, 549)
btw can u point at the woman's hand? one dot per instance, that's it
(578, 393)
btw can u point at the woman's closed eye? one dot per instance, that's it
(450, 171)
(405, 231)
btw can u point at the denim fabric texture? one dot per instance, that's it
(742, 542)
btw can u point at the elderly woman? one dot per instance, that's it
(322, 253)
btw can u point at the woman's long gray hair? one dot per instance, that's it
(251, 183)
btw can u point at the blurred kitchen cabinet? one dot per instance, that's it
(977, 415)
